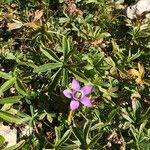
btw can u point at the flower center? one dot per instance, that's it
(78, 94)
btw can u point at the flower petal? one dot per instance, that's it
(74, 105)
(86, 101)
(75, 84)
(87, 89)
(67, 93)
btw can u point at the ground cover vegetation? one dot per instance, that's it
(75, 73)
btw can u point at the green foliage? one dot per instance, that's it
(44, 44)
(2, 140)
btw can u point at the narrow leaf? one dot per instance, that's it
(141, 129)
(17, 146)
(9, 117)
(12, 99)
(65, 47)
(116, 50)
(86, 130)
(29, 64)
(79, 135)
(65, 77)
(69, 147)
(9, 83)
(78, 75)
(49, 118)
(97, 126)
(94, 140)
(49, 54)
(20, 88)
(111, 115)
(47, 67)
(69, 54)
(55, 80)
(136, 106)
(5, 75)
(58, 135)
(65, 137)
(126, 116)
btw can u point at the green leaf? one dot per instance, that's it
(69, 54)
(68, 147)
(141, 129)
(134, 132)
(9, 117)
(63, 20)
(42, 116)
(145, 144)
(97, 126)
(20, 88)
(55, 80)
(116, 50)
(16, 146)
(12, 99)
(10, 56)
(126, 116)
(136, 106)
(49, 118)
(86, 130)
(65, 77)
(9, 83)
(112, 115)
(65, 47)
(58, 135)
(103, 35)
(94, 140)
(145, 116)
(65, 137)
(78, 75)
(79, 135)
(91, 1)
(47, 67)
(49, 54)
(28, 64)
(5, 75)
(2, 140)
(110, 62)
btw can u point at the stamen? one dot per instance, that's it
(78, 94)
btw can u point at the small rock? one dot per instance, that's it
(26, 131)
(10, 135)
(139, 8)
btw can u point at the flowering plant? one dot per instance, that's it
(78, 95)
(44, 43)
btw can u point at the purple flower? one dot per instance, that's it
(78, 95)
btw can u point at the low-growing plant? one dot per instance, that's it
(74, 74)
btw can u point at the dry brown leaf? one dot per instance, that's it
(31, 24)
(38, 15)
(139, 74)
(139, 81)
(133, 72)
(141, 69)
(136, 96)
(97, 42)
(16, 25)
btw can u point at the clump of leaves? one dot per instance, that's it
(44, 45)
